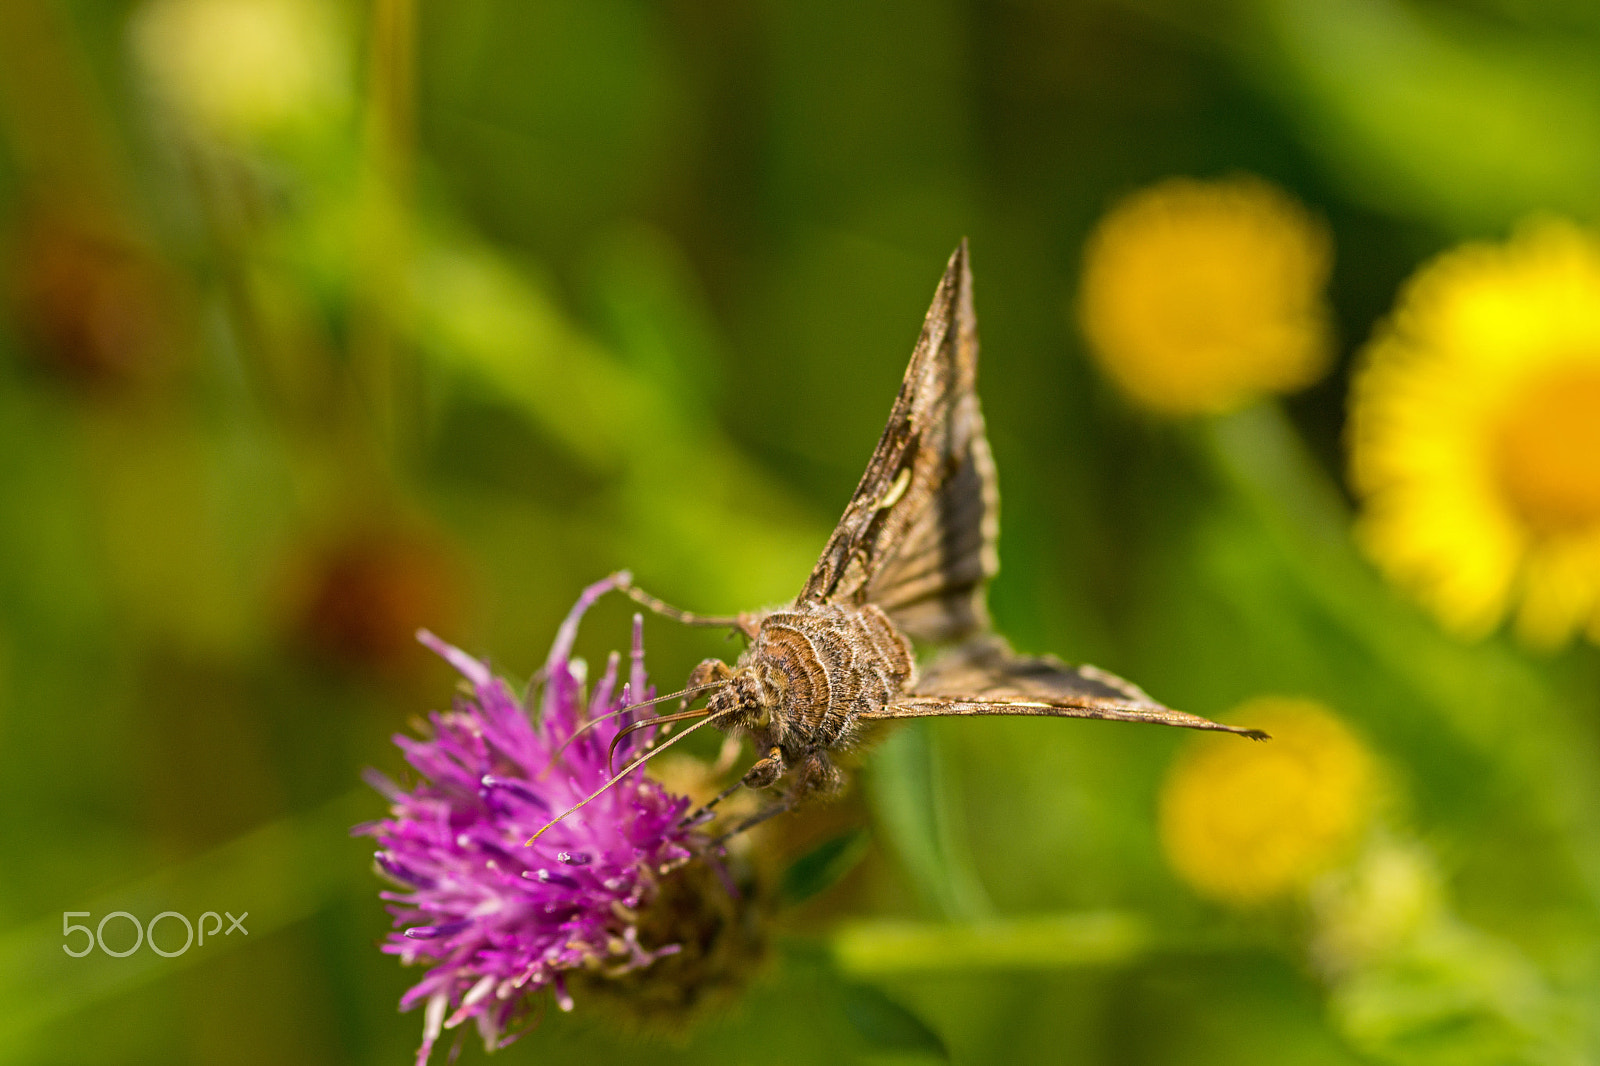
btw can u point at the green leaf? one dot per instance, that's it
(822, 867)
(1435, 113)
(890, 1026)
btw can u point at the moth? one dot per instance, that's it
(910, 560)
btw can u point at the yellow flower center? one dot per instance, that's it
(1548, 451)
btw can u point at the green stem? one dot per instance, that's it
(382, 304)
(1050, 941)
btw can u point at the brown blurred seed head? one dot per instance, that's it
(92, 306)
(364, 596)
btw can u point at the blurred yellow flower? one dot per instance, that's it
(1198, 297)
(242, 67)
(1475, 436)
(1247, 823)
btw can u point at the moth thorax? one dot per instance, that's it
(827, 659)
(768, 687)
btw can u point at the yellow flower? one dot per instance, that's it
(243, 67)
(1202, 296)
(1475, 436)
(1247, 823)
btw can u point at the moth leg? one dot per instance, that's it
(744, 622)
(751, 822)
(704, 812)
(766, 770)
(817, 776)
(708, 672)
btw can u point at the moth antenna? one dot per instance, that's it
(693, 690)
(662, 719)
(624, 772)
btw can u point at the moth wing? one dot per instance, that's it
(918, 537)
(984, 676)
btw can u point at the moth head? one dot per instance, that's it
(746, 700)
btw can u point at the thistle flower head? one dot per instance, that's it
(600, 896)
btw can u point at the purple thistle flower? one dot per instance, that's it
(497, 921)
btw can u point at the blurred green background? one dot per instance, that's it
(325, 320)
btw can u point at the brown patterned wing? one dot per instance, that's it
(984, 676)
(918, 537)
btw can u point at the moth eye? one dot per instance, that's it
(897, 489)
